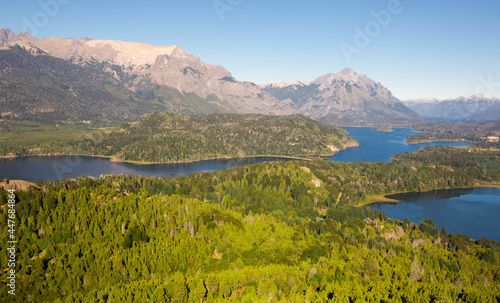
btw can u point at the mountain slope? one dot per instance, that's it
(475, 107)
(166, 75)
(345, 97)
(35, 86)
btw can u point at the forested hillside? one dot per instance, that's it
(271, 232)
(437, 130)
(38, 87)
(168, 137)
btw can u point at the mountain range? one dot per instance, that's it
(345, 97)
(476, 107)
(54, 79)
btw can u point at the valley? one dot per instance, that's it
(157, 177)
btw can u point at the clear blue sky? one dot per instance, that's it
(440, 48)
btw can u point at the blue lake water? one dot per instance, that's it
(59, 167)
(448, 119)
(473, 212)
(380, 146)
(373, 146)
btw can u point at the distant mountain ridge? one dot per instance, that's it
(476, 107)
(345, 97)
(136, 79)
(161, 74)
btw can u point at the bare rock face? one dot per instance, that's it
(345, 96)
(7, 37)
(188, 73)
(87, 50)
(137, 64)
(164, 74)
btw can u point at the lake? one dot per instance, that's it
(380, 146)
(473, 212)
(59, 167)
(373, 146)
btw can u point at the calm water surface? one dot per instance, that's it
(380, 146)
(473, 212)
(373, 146)
(59, 167)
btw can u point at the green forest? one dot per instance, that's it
(286, 231)
(438, 130)
(169, 137)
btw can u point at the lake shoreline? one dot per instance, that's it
(383, 129)
(441, 140)
(115, 160)
(471, 211)
(384, 199)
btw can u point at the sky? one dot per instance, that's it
(416, 48)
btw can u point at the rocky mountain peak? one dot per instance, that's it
(347, 75)
(482, 97)
(345, 96)
(162, 72)
(177, 50)
(6, 37)
(282, 84)
(347, 72)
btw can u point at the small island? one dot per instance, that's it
(384, 129)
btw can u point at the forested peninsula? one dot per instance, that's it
(169, 137)
(284, 231)
(438, 130)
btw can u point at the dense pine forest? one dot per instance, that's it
(271, 232)
(169, 137)
(438, 130)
